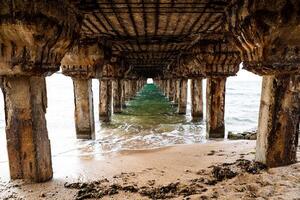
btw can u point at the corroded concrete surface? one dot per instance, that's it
(84, 108)
(278, 128)
(215, 107)
(27, 137)
(197, 99)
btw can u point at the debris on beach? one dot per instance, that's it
(217, 174)
(246, 135)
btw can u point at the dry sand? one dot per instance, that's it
(186, 166)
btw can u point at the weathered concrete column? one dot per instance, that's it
(139, 85)
(279, 115)
(105, 99)
(177, 91)
(117, 96)
(168, 88)
(28, 144)
(162, 86)
(34, 37)
(182, 98)
(127, 91)
(84, 108)
(172, 90)
(133, 88)
(123, 98)
(215, 106)
(197, 100)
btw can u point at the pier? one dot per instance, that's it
(123, 43)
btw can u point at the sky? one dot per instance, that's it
(244, 75)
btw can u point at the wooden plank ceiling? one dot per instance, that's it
(152, 33)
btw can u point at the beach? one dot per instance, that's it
(179, 164)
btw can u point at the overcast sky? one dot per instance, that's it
(244, 75)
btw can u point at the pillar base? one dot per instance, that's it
(28, 145)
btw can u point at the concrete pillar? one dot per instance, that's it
(215, 107)
(28, 144)
(123, 94)
(278, 127)
(133, 89)
(196, 97)
(182, 98)
(105, 99)
(172, 90)
(117, 95)
(177, 91)
(139, 85)
(163, 87)
(127, 89)
(84, 108)
(168, 88)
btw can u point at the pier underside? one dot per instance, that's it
(122, 43)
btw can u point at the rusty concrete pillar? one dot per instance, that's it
(182, 97)
(177, 91)
(279, 115)
(28, 144)
(163, 88)
(168, 88)
(172, 90)
(127, 89)
(139, 85)
(117, 95)
(84, 108)
(123, 98)
(196, 97)
(31, 47)
(215, 106)
(133, 88)
(105, 100)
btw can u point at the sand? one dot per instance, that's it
(185, 165)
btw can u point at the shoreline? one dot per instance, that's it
(167, 165)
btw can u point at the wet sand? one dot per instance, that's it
(179, 164)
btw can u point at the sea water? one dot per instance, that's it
(149, 121)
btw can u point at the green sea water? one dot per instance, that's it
(150, 120)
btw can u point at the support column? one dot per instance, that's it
(127, 89)
(197, 101)
(177, 91)
(279, 115)
(133, 89)
(215, 106)
(105, 100)
(84, 108)
(117, 96)
(123, 94)
(172, 90)
(28, 144)
(168, 88)
(182, 98)
(164, 87)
